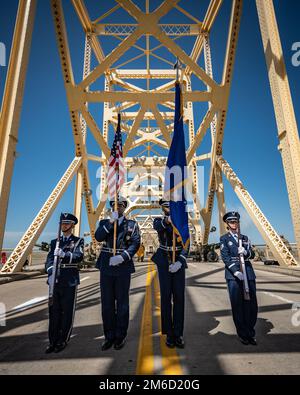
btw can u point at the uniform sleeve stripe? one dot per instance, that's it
(50, 267)
(233, 264)
(105, 229)
(183, 257)
(71, 257)
(77, 244)
(134, 228)
(162, 223)
(127, 254)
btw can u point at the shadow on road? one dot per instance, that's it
(201, 355)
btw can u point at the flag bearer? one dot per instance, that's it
(171, 278)
(115, 273)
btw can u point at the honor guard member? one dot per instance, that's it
(115, 273)
(61, 313)
(171, 279)
(244, 311)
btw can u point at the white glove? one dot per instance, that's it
(59, 252)
(174, 267)
(241, 250)
(114, 217)
(116, 260)
(239, 275)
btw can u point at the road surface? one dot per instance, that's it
(211, 344)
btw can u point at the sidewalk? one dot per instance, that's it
(290, 271)
(7, 278)
(38, 270)
(32, 271)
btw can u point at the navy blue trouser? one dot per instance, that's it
(172, 289)
(244, 312)
(61, 314)
(115, 305)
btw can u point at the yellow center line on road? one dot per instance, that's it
(145, 361)
(170, 358)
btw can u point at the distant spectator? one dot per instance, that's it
(141, 253)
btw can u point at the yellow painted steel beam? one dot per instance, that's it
(95, 131)
(87, 25)
(288, 135)
(79, 190)
(143, 74)
(80, 147)
(161, 124)
(79, 96)
(210, 16)
(209, 116)
(23, 249)
(12, 102)
(186, 59)
(133, 131)
(220, 199)
(138, 97)
(124, 29)
(232, 41)
(110, 59)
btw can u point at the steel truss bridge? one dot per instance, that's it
(147, 114)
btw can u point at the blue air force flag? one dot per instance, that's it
(176, 174)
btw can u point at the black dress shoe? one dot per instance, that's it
(119, 343)
(50, 348)
(107, 345)
(179, 342)
(244, 341)
(60, 347)
(170, 342)
(252, 341)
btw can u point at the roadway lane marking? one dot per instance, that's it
(30, 303)
(84, 278)
(145, 360)
(279, 297)
(170, 358)
(192, 264)
(34, 301)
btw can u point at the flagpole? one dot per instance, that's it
(116, 220)
(174, 247)
(116, 201)
(177, 66)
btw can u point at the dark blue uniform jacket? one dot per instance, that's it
(165, 235)
(68, 273)
(230, 256)
(128, 242)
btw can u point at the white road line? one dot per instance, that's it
(35, 301)
(279, 297)
(84, 278)
(192, 264)
(29, 303)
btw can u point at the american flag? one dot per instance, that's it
(116, 171)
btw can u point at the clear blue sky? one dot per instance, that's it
(45, 146)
